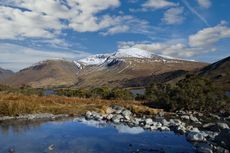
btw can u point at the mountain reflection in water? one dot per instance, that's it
(86, 137)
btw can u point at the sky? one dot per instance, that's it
(35, 30)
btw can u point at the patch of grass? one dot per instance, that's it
(140, 109)
(13, 104)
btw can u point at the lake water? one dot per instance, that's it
(88, 137)
(136, 92)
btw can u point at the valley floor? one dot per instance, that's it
(13, 104)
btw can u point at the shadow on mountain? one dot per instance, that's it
(171, 76)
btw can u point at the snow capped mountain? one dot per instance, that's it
(124, 53)
(115, 69)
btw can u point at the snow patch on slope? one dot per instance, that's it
(95, 59)
(78, 65)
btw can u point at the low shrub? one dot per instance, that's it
(102, 93)
(191, 93)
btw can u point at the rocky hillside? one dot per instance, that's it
(46, 73)
(4, 74)
(132, 67)
(116, 72)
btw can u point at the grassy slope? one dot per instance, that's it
(48, 73)
(4, 74)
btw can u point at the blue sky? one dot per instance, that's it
(34, 30)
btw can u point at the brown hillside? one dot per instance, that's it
(44, 74)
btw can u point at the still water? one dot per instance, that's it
(86, 137)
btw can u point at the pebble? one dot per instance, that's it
(51, 147)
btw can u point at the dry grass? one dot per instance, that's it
(12, 104)
(140, 109)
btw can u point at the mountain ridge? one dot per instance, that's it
(5, 74)
(45, 74)
(100, 70)
(219, 72)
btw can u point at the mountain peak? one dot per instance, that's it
(123, 53)
(94, 59)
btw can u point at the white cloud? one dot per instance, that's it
(16, 57)
(86, 19)
(116, 29)
(47, 18)
(209, 36)
(127, 24)
(178, 50)
(173, 48)
(173, 16)
(204, 3)
(199, 43)
(157, 4)
(16, 23)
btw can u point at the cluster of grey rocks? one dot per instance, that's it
(207, 138)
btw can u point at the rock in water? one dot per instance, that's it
(164, 128)
(51, 147)
(88, 115)
(195, 136)
(11, 150)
